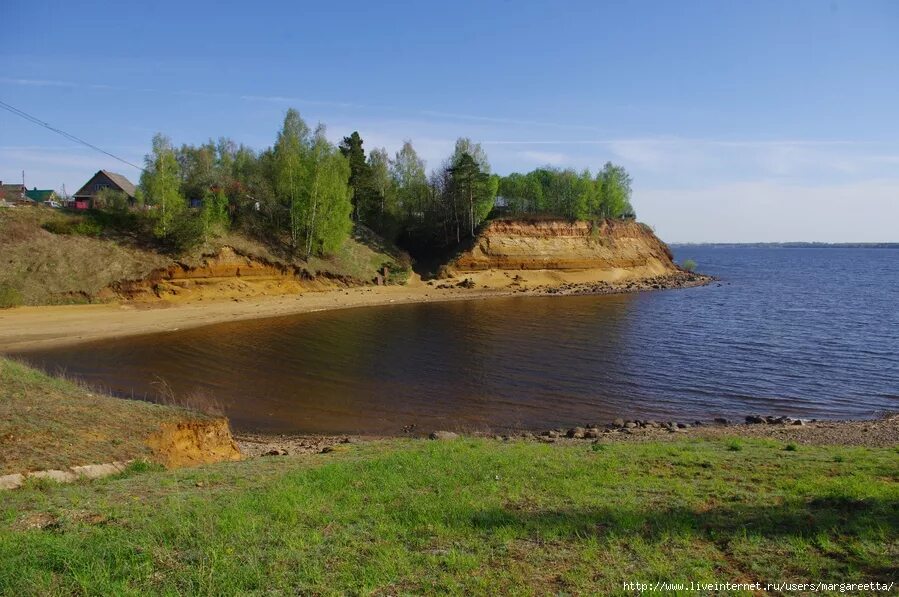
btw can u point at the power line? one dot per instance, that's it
(46, 125)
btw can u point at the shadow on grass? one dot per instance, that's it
(839, 519)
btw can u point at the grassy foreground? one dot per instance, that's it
(466, 516)
(50, 422)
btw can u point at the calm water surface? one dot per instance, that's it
(801, 332)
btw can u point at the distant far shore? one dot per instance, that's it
(788, 245)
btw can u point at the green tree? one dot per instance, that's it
(329, 204)
(160, 185)
(197, 166)
(464, 145)
(383, 187)
(473, 191)
(410, 182)
(290, 172)
(364, 196)
(616, 191)
(214, 213)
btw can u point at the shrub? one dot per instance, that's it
(87, 227)
(10, 297)
(80, 226)
(396, 273)
(58, 226)
(734, 445)
(136, 467)
(112, 200)
(185, 234)
(689, 265)
(127, 221)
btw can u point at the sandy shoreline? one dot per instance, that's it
(30, 328)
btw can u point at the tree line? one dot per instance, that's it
(571, 194)
(305, 195)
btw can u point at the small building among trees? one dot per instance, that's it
(103, 179)
(41, 195)
(12, 192)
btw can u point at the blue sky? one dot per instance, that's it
(739, 121)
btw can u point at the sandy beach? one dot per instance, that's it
(26, 328)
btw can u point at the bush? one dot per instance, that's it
(112, 200)
(80, 226)
(396, 273)
(734, 445)
(126, 221)
(10, 297)
(136, 467)
(186, 233)
(689, 265)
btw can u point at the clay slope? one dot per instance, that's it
(556, 244)
(228, 273)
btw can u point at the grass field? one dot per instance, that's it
(473, 516)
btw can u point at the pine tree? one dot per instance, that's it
(360, 180)
(473, 192)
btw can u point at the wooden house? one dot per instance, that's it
(12, 192)
(84, 198)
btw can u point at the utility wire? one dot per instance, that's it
(35, 120)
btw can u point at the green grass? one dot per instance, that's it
(470, 516)
(50, 422)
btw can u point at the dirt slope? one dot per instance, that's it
(39, 267)
(52, 423)
(555, 244)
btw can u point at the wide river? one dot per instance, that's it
(812, 333)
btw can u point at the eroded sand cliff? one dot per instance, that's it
(609, 250)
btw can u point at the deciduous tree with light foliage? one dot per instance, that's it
(328, 205)
(161, 185)
(291, 158)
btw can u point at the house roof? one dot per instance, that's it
(40, 194)
(11, 191)
(117, 179)
(125, 184)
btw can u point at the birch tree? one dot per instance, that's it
(328, 206)
(291, 175)
(160, 183)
